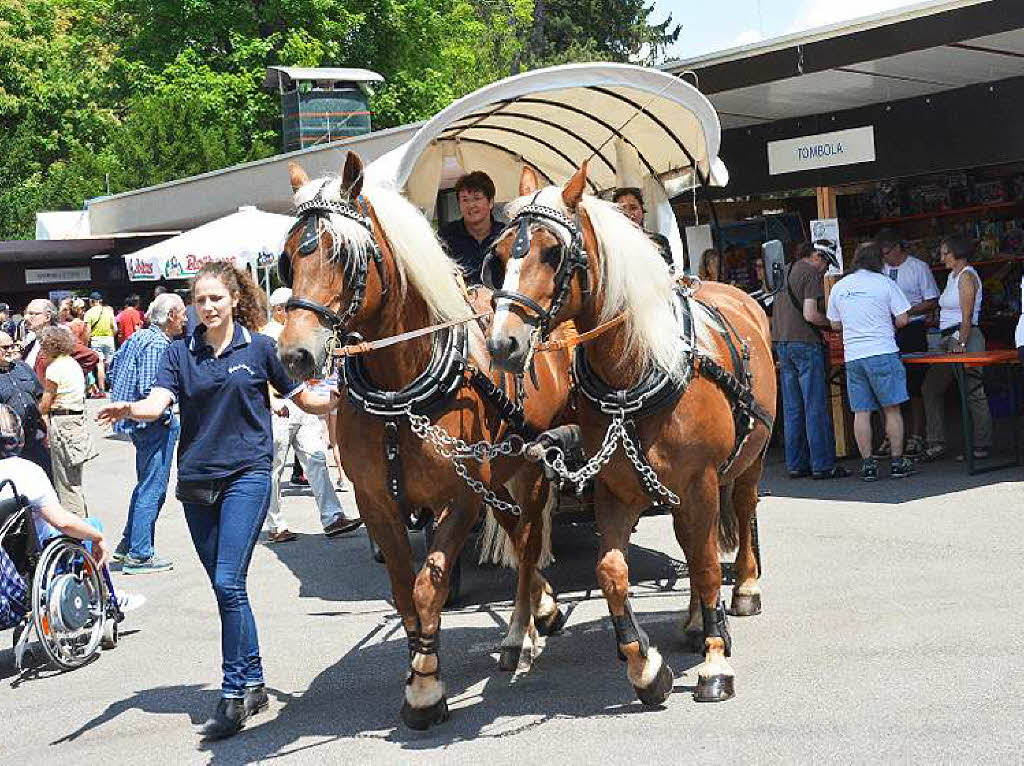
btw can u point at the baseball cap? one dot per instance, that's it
(96, 295)
(12, 435)
(280, 296)
(828, 249)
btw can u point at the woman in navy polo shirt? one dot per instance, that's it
(219, 377)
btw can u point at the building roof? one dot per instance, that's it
(282, 76)
(43, 250)
(921, 50)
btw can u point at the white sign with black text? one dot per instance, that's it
(824, 150)
(46, 276)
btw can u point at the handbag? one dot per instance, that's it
(200, 491)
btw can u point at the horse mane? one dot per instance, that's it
(421, 261)
(634, 278)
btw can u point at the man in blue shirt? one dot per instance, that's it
(134, 369)
(468, 238)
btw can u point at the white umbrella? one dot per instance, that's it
(249, 237)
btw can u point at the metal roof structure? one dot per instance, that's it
(282, 77)
(922, 50)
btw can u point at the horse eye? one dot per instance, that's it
(552, 255)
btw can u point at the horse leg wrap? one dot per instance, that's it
(628, 630)
(413, 637)
(716, 625)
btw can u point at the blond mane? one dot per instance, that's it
(421, 261)
(633, 278)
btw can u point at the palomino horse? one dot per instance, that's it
(367, 262)
(689, 427)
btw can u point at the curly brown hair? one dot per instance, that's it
(241, 285)
(56, 341)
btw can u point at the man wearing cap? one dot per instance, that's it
(914, 277)
(102, 328)
(797, 319)
(303, 432)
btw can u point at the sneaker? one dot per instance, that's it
(901, 468)
(933, 452)
(128, 601)
(915, 446)
(153, 564)
(300, 480)
(341, 525)
(869, 470)
(883, 449)
(979, 454)
(343, 486)
(837, 472)
(281, 536)
(119, 555)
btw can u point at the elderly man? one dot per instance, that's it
(134, 369)
(304, 432)
(40, 314)
(20, 390)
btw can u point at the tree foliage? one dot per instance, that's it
(101, 96)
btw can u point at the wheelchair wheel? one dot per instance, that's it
(68, 604)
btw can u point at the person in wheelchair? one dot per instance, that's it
(50, 520)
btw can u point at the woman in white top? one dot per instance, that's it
(63, 404)
(959, 306)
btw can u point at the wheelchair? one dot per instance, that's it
(70, 604)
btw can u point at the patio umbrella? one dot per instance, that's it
(251, 238)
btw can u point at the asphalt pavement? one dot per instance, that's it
(890, 633)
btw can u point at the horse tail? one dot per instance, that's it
(497, 548)
(728, 521)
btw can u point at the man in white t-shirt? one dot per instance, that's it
(867, 306)
(914, 277)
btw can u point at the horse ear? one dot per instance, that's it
(298, 176)
(352, 175)
(573, 191)
(528, 181)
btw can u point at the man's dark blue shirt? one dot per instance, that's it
(464, 248)
(225, 406)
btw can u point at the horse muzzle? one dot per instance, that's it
(302, 361)
(509, 351)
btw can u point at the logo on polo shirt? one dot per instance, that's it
(241, 367)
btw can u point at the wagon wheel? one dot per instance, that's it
(455, 577)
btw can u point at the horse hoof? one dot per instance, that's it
(508, 659)
(744, 605)
(552, 625)
(422, 718)
(657, 692)
(693, 641)
(717, 688)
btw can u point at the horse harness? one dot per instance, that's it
(658, 389)
(313, 218)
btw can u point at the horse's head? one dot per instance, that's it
(538, 268)
(326, 263)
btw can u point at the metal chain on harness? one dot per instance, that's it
(456, 450)
(554, 458)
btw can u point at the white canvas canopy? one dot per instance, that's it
(638, 127)
(250, 237)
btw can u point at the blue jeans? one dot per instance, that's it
(225, 535)
(810, 443)
(154, 453)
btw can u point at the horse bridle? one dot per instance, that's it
(573, 259)
(310, 215)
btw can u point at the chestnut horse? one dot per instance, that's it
(366, 261)
(570, 256)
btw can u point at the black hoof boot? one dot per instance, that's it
(227, 720)
(508, 659)
(657, 692)
(745, 605)
(422, 718)
(693, 641)
(714, 688)
(552, 624)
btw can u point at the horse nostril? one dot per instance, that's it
(496, 347)
(298, 358)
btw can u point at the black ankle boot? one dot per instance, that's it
(256, 699)
(227, 720)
